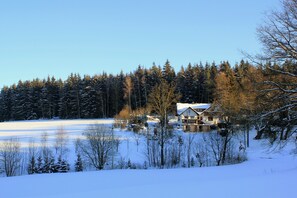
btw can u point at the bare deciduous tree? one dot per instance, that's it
(218, 146)
(153, 152)
(137, 140)
(189, 146)
(201, 154)
(278, 36)
(97, 147)
(46, 153)
(61, 143)
(45, 150)
(162, 100)
(10, 157)
(278, 33)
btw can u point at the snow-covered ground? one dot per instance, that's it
(24, 130)
(265, 174)
(27, 132)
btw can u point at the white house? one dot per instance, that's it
(197, 116)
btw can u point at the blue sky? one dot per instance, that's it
(57, 37)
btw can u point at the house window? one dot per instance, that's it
(210, 118)
(192, 121)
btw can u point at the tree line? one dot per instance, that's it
(103, 95)
(245, 93)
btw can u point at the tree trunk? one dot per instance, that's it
(226, 140)
(259, 134)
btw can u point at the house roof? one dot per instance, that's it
(181, 107)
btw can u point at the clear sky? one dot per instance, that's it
(56, 37)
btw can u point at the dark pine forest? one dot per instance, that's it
(104, 95)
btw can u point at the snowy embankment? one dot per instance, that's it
(257, 178)
(263, 175)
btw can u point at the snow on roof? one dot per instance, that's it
(181, 107)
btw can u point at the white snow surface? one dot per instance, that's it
(266, 173)
(181, 107)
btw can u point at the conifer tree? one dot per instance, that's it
(189, 88)
(168, 72)
(62, 166)
(39, 167)
(5, 104)
(88, 99)
(32, 166)
(65, 167)
(78, 164)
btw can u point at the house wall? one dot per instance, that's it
(215, 120)
(193, 127)
(189, 112)
(190, 119)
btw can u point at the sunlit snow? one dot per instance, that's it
(266, 173)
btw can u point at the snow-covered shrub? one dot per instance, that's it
(62, 166)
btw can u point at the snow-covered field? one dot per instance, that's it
(265, 174)
(27, 132)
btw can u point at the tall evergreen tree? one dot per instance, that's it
(88, 98)
(32, 167)
(5, 104)
(168, 72)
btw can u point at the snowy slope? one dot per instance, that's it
(259, 178)
(265, 174)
